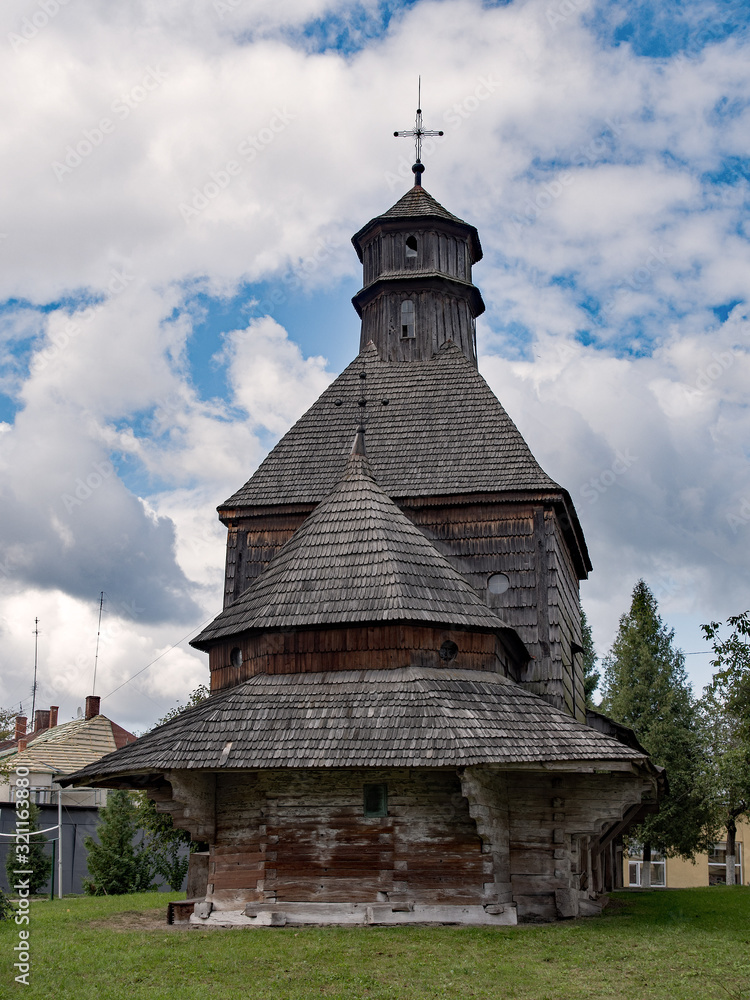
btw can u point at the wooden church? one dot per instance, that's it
(397, 729)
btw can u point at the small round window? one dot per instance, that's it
(235, 657)
(498, 583)
(448, 651)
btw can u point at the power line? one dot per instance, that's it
(192, 630)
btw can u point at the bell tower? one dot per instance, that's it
(417, 289)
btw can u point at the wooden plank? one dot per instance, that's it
(530, 862)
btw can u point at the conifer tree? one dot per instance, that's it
(115, 865)
(37, 862)
(590, 674)
(646, 688)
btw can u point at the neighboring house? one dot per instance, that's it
(676, 873)
(51, 751)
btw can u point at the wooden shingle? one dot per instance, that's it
(410, 717)
(357, 558)
(434, 428)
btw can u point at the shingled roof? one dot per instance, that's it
(418, 204)
(408, 717)
(71, 745)
(433, 428)
(357, 558)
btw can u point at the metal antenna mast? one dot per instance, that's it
(98, 633)
(417, 133)
(36, 662)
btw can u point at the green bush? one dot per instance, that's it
(115, 864)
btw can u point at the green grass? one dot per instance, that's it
(690, 943)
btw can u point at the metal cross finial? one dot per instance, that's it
(417, 132)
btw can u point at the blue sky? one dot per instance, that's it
(175, 225)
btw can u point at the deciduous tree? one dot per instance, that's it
(726, 713)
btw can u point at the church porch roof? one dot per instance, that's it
(408, 717)
(356, 559)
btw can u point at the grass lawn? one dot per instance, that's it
(689, 943)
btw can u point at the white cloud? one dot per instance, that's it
(521, 101)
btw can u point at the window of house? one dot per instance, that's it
(411, 246)
(235, 657)
(407, 318)
(717, 865)
(376, 800)
(658, 869)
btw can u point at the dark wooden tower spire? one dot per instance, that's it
(417, 290)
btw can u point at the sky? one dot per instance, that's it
(180, 183)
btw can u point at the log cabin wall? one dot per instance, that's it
(521, 539)
(565, 617)
(556, 822)
(373, 647)
(251, 544)
(412, 259)
(439, 315)
(446, 251)
(294, 836)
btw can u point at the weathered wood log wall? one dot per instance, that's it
(443, 251)
(438, 316)
(252, 542)
(521, 538)
(525, 542)
(302, 837)
(477, 836)
(556, 822)
(375, 647)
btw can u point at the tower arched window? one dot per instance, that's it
(411, 246)
(407, 319)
